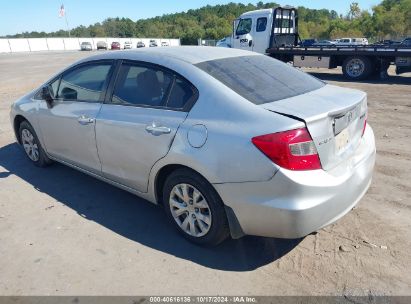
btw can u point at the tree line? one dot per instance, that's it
(391, 19)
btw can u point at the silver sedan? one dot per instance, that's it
(229, 142)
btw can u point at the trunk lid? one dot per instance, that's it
(334, 117)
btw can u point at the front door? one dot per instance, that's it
(68, 127)
(243, 38)
(137, 127)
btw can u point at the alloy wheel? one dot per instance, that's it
(190, 210)
(30, 145)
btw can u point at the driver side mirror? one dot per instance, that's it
(46, 94)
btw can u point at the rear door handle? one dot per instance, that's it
(157, 130)
(85, 120)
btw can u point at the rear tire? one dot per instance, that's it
(357, 68)
(194, 208)
(32, 147)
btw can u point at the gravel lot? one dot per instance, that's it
(64, 233)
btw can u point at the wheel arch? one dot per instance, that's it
(162, 175)
(18, 119)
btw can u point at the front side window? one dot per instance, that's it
(85, 83)
(261, 24)
(244, 27)
(141, 86)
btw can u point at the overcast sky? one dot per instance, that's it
(17, 16)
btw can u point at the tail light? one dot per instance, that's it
(365, 126)
(293, 150)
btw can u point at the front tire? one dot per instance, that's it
(195, 208)
(32, 146)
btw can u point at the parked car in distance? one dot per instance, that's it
(140, 44)
(164, 43)
(101, 45)
(276, 154)
(153, 43)
(386, 42)
(128, 45)
(406, 42)
(307, 42)
(115, 45)
(352, 41)
(86, 46)
(326, 43)
(225, 42)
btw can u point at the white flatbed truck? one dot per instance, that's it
(274, 32)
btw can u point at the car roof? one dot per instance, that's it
(189, 54)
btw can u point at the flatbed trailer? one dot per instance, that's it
(357, 62)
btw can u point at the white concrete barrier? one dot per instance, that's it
(175, 42)
(55, 44)
(19, 45)
(37, 44)
(4, 46)
(70, 44)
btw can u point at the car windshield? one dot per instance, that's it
(259, 78)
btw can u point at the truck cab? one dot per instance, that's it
(262, 29)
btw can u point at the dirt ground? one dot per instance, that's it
(64, 233)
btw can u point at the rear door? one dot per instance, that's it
(137, 124)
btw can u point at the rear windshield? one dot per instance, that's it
(260, 79)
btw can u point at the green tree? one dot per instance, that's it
(355, 11)
(389, 19)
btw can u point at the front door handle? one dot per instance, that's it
(85, 120)
(157, 130)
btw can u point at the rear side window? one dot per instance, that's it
(84, 83)
(261, 24)
(259, 78)
(244, 27)
(181, 94)
(140, 85)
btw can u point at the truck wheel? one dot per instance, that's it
(357, 68)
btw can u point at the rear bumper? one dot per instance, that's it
(295, 203)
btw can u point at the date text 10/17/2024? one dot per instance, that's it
(203, 299)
